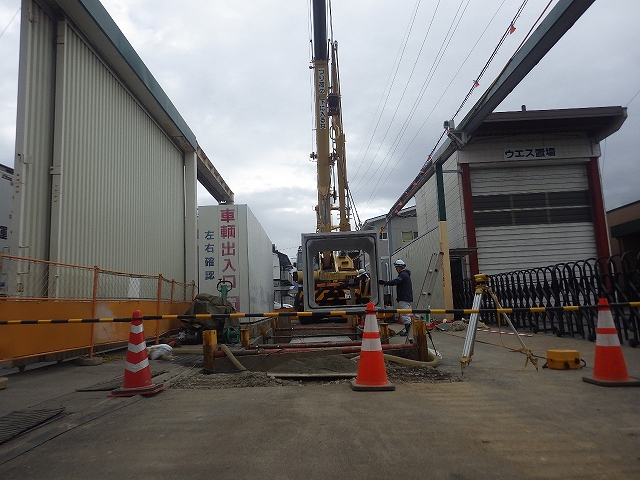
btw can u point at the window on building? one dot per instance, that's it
(531, 208)
(382, 235)
(408, 237)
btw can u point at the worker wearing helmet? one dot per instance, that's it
(363, 282)
(404, 291)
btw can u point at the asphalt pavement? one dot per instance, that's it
(502, 420)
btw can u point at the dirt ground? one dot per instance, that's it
(396, 373)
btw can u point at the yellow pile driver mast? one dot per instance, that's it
(335, 269)
(330, 142)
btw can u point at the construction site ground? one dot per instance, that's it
(498, 420)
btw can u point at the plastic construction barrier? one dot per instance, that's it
(430, 311)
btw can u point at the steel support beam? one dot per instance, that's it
(559, 20)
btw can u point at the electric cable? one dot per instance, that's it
(508, 31)
(392, 77)
(10, 22)
(399, 102)
(439, 56)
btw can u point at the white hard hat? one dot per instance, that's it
(400, 263)
(361, 271)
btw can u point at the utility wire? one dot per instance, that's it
(10, 22)
(380, 145)
(390, 82)
(439, 56)
(509, 30)
(449, 85)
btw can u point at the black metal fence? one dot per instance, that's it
(616, 278)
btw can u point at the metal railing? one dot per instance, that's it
(30, 279)
(616, 278)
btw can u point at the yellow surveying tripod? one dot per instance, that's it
(482, 287)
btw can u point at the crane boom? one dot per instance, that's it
(330, 150)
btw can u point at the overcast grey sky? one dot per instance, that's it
(238, 72)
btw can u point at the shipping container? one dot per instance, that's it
(234, 248)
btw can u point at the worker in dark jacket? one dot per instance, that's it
(404, 291)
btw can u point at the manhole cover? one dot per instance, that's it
(20, 421)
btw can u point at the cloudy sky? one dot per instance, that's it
(238, 72)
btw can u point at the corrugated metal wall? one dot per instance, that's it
(118, 197)
(427, 204)
(508, 248)
(34, 134)
(417, 255)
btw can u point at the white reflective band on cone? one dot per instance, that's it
(136, 367)
(137, 328)
(137, 348)
(371, 345)
(607, 340)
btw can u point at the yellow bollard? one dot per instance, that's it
(244, 337)
(384, 333)
(420, 335)
(209, 344)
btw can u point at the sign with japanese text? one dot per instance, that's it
(218, 244)
(234, 248)
(529, 153)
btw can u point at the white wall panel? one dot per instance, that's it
(417, 255)
(507, 249)
(121, 194)
(550, 178)
(118, 180)
(427, 204)
(34, 133)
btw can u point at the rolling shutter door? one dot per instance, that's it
(531, 216)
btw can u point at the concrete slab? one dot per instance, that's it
(500, 421)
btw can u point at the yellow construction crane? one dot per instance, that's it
(336, 270)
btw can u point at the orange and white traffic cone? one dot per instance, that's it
(372, 374)
(137, 373)
(609, 367)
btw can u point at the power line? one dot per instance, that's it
(439, 56)
(392, 78)
(10, 22)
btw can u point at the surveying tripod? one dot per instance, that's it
(482, 287)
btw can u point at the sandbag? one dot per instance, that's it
(205, 303)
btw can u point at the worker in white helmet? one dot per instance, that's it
(404, 291)
(363, 283)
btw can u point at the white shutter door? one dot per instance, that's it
(531, 217)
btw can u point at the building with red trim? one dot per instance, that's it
(524, 191)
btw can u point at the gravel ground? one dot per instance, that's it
(396, 373)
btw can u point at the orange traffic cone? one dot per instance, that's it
(137, 374)
(372, 374)
(609, 367)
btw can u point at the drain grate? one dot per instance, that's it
(108, 385)
(20, 421)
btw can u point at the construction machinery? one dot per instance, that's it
(331, 258)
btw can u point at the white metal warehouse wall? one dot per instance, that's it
(417, 255)
(34, 134)
(427, 204)
(106, 186)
